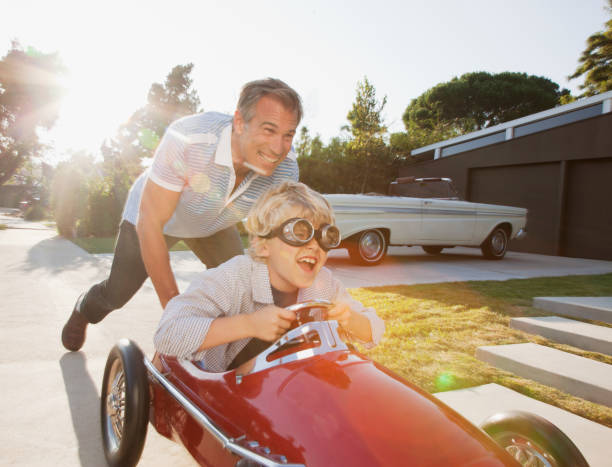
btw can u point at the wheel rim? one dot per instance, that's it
(371, 245)
(527, 453)
(115, 406)
(498, 242)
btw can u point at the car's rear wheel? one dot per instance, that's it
(432, 249)
(368, 248)
(533, 441)
(124, 406)
(496, 244)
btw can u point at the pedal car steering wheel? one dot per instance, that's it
(305, 312)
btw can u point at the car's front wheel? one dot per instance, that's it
(368, 248)
(124, 406)
(533, 441)
(496, 244)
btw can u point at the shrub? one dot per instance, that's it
(35, 213)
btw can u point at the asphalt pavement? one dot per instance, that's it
(51, 397)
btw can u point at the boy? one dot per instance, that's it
(290, 231)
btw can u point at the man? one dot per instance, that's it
(207, 172)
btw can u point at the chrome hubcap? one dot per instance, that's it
(370, 245)
(526, 454)
(115, 405)
(498, 242)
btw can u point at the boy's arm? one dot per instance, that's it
(361, 322)
(356, 323)
(267, 323)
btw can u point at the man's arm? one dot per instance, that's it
(157, 206)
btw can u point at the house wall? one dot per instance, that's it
(563, 176)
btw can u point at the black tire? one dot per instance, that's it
(368, 247)
(526, 436)
(496, 244)
(432, 249)
(124, 405)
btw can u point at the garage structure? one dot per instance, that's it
(556, 163)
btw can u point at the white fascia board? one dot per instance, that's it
(580, 103)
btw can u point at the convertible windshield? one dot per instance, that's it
(424, 188)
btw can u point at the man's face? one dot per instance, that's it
(265, 141)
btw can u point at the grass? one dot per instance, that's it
(433, 330)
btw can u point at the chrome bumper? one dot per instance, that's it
(521, 234)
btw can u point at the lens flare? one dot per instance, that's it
(200, 183)
(445, 381)
(148, 138)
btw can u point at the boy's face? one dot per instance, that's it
(292, 267)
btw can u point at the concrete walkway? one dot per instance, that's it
(591, 308)
(582, 377)
(51, 397)
(568, 331)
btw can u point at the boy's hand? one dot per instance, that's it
(341, 312)
(271, 322)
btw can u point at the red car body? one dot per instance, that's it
(334, 409)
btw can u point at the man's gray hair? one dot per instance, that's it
(255, 90)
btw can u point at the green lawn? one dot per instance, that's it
(433, 330)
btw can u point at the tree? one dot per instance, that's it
(29, 96)
(479, 100)
(324, 168)
(166, 103)
(367, 152)
(69, 195)
(139, 136)
(596, 62)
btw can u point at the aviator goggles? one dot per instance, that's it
(299, 231)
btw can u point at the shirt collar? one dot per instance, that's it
(223, 154)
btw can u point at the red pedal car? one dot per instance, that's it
(311, 400)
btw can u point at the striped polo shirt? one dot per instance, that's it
(195, 158)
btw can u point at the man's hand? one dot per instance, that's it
(270, 322)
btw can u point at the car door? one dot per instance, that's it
(447, 221)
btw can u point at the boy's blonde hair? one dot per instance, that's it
(281, 202)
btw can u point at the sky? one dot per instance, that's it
(114, 50)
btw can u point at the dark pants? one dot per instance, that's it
(128, 271)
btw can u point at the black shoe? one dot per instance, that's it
(73, 334)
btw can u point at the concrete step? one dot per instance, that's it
(480, 402)
(575, 375)
(568, 331)
(593, 308)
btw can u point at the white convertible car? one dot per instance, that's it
(431, 216)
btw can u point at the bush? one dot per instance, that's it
(35, 213)
(103, 213)
(68, 198)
